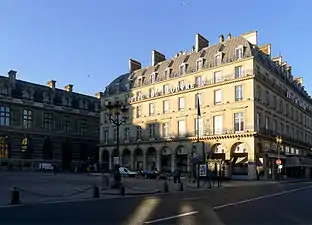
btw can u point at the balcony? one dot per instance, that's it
(179, 137)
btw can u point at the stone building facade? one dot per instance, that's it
(248, 100)
(45, 123)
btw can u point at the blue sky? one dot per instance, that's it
(88, 42)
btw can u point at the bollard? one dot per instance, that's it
(181, 186)
(96, 192)
(15, 200)
(122, 190)
(166, 187)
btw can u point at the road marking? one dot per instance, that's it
(261, 197)
(171, 217)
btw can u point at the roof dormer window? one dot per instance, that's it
(153, 77)
(27, 94)
(239, 52)
(183, 69)
(168, 73)
(46, 97)
(218, 58)
(199, 64)
(127, 86)
(4, 90)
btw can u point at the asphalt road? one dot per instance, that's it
(267, 204)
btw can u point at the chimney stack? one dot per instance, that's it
(99, 95)
(51, 84)
(134, 65)
(69, 88)
(288, 68)
(221, 38)
(200, 42)
(229, 36)
(157, 57)
(12, 76)
(299, 80)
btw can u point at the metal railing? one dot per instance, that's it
(181, 136)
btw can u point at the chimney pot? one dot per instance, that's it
(221, 38)
(229, 36)
(201, 42)
(157, 57)
(134, 65)
(51, 84)
(69, 87)
(99, 95)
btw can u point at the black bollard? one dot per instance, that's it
(166, 187)
(181, 186)
(15, 200)
(96, 192)
(122, 190)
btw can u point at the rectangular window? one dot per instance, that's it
(238, 71)
(274, 124)
(47, 121)
(165, 130)
(105, 136)
(198, 98)
(282, 128)
(151, 128)
(267, 123)
(181, 103)
(27, 118)
(166, 89)
(198, 81)
(183, 69)
(258, 121)
(153, 78)
(239, 53)
(138, 112)
(218, 96)
(199, 127)
(199, 64)
(151, 92)
(238, 93)
(217, 125)
(167, 73)
(127, 133)
(217, 77)
(151, 109)
(268, 98)
(218, 58)
(166, 106)
(5, 116)
(139, 132)
(83, 126)
(239, 122)
(66, 124)
(181, 128)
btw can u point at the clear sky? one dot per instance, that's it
(88, 42)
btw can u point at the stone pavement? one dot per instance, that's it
(42, 187)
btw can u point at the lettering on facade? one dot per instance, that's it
(291, 97)
(157, 92)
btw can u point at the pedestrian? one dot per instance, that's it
(54, 170)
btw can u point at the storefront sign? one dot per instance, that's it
(157, 92)
(202, 170)
(291, 97)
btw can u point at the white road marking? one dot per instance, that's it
(171, 217)
(261, 197)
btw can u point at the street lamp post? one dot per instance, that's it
(116, 116)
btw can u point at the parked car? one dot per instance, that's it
(153, 174)
(45, 167)
(126, 172)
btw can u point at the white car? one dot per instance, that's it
(126, 172)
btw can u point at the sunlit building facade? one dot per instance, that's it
(247, 99)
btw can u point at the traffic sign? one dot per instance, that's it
(278, 162)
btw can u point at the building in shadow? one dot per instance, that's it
(254, 114)
(44, 123)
